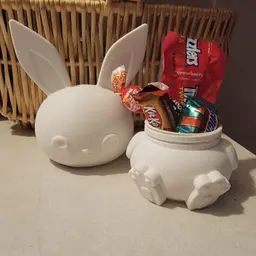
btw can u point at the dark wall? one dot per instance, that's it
(237, 101)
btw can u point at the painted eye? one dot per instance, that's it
(59, 142)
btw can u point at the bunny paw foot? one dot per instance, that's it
(150, 184)
(207, 189)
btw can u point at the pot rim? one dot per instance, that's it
(182, 138)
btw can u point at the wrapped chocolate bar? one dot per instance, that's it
(158, 110)
(197, 116)
(170, 109)
(192, 67)
(212, 121)
(128, 93)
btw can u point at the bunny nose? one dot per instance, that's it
(85, 151)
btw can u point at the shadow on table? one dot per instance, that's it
(242, 188)
(120, 165)
(21, 130)
(2, 118)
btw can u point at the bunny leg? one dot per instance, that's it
(207, 189)
(149, 183)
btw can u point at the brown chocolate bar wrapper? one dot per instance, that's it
(155, 112)
(169, 107)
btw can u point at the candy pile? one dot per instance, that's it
(183, 101)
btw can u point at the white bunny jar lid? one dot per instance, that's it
(84, 125)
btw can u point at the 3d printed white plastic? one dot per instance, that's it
(84, 125)
(194, 168)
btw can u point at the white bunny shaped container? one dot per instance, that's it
(84, 125)
(194, 168)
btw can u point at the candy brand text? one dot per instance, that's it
(152, 116)
(190, 91)
(212, 123)
(192, 52)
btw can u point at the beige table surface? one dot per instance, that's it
(49, 210)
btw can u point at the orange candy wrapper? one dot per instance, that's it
(118, 79)
(131, 94)
(152, 100)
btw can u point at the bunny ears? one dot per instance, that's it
(42, 62)
(39, 58)
(128, 51)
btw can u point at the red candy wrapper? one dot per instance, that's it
(128, 98)
(118, 80)
(131, 94)
(192, 67)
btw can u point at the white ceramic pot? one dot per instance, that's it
(194, 168)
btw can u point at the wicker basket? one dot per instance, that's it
(83, 31)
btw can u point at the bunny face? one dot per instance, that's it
(84, 125)
(94, 130)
